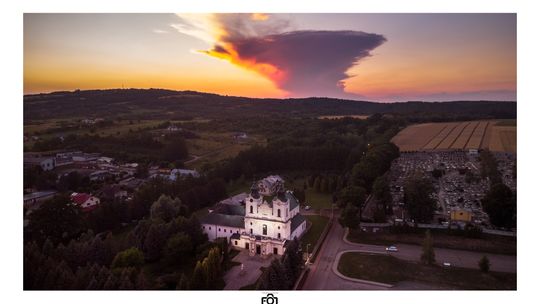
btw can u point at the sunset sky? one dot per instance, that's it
(378, 57)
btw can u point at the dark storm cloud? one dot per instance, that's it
(313, 62)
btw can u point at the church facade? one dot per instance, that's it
(260, 224)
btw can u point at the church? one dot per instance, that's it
(261, 222)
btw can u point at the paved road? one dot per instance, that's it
(321, 276)
(460, 258)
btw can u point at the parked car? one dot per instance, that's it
(446, 264)
(391, 248)
(307, 207)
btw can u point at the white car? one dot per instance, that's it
(446, 264)
(391, 249)
(307, 207)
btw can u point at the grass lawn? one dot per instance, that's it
(318, 223)
(489, 243)
(314, 199)
(318, 200)
(391, 270)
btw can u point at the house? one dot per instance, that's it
(175, 173)
(113, 193)
(86, 201)
(260, 226)
(240, 135)
(35, 198)
(46, 163)
(173, 128)
(99, 175)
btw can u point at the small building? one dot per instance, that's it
(175, 173)
(240, 136)
(34, 199)
(85, 201)
(113, 193)
(46, 163)
(99, 175)
(461, 215)
(173, 128)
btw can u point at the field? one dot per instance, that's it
(390, 270)
(213, 147)
(343, 116)
(499, 136)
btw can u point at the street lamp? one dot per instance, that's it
(307, 253)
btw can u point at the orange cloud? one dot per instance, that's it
(259, 17)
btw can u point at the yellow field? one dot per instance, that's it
(343, 116)
(466, 135)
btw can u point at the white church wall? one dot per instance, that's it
(216, 231)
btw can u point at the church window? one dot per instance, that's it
(265, 229)
(250, 209)
(279, 213)
(279, 235)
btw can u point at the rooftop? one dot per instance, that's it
(220, 219)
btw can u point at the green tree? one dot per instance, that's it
(198, 279)
(165, 208)
(317, 184)
(418, 200)
(500, 204)
(324, 184)
(349, 217)
(183, 283)
(274, 277)
(354, 195)
(176, 149)
(155, 240)
(178, 247)
(57, 219)
(131, 257)
(381, 192)
(484, 264)
(428, 253)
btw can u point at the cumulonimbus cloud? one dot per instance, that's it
(303, 63)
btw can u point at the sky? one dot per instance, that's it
(376, 57)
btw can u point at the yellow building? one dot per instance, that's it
(461, 215)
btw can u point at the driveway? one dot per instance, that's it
(236, 278)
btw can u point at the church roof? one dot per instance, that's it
(293, 201)
(296, 221)
(223, 220)
(230, 209)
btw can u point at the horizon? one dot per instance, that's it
(265, 98)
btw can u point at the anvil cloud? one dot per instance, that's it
(302, 63)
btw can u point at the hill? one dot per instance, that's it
(173, 105)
